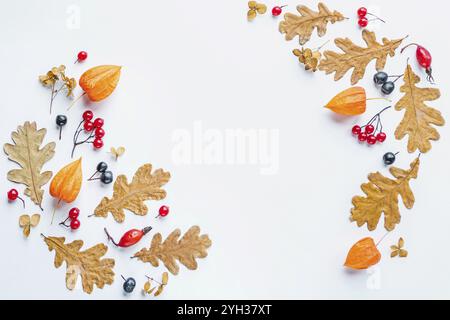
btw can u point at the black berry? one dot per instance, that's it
(380, 77)
(388, 87)
(107, 177)
(61, 120)
(102, 167)
(389, 158)
(129, 285)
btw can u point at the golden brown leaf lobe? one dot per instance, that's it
(357, 58)
(86, 264)
(28, 154)
(191, 246)
(131, 196)
(418, 116)
(304, 24)
(382, 197)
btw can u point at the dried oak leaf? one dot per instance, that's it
(131, 196)
(382, 197)
(358, 57)
(303, 25)
(191, 246)
(86, 264)
(27, 153)
(418, 116)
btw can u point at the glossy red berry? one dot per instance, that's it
(363, 22)
(99, 122)
(98, 143)
(371, 139)
(88, 115)
(82, 55)
(362, 137)
(74, 224)
(13, 194)
(163, 211)
(423, 57)
(88, 126)
(381, 137)
(276, 11)
(74, 213)
(362, 12)
(356, 130)
(369, 129)
(99, 133)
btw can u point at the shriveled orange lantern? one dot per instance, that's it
(349, 102)
(66, 184)
(363, 255)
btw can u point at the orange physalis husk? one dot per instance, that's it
(66, 184)
(99, 82)
(350, 102)
(363, 255)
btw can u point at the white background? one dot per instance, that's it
(279, 236)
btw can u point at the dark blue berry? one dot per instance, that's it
(102, 167)
(129, 285)
(389, 158)
(380, 77)
(388, 87)
(61, 120)
(107, 177)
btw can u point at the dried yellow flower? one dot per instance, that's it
(26, 222)
(398, 249)
(308, 57)
(254, 9)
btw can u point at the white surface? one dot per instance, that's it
(274, 236)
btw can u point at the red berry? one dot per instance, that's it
(74, 213)
(13, 194)
(88, 126)
(362, 12)
(362, 137)
(99, 133)
(82, 55)
(276, 11)
(356, 130)
(363, 22)
(371, 139)
(74, 224)
(381, 137)
(423, 57)
(88, 115)
(369, 129)
(99, 122)
(98, 143)
(164, 211)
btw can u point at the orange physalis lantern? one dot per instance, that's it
(363, 255)
(66, 184)
(99, 82)
(350, 102)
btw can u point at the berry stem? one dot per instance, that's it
(409, 45)
(371, 14)
(111, 239)
(64, 223)
(90, 179)
(23, 201)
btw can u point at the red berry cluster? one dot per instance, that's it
(370, 133)
(363, 21)
(74, 213)
(94, 129)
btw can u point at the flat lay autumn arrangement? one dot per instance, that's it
(85, 186)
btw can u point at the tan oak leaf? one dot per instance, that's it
(357, 58)
(87, 264)
(304, 24)
(191, 246)
(382, 197)
(28, 154)
(131, 196)
(418, 116)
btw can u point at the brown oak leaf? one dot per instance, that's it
(131, 196)
(357, 58)
(27, 153)
(382, 197)
(191, 246)
(418, 116)
(87, 264)
(303, 25)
